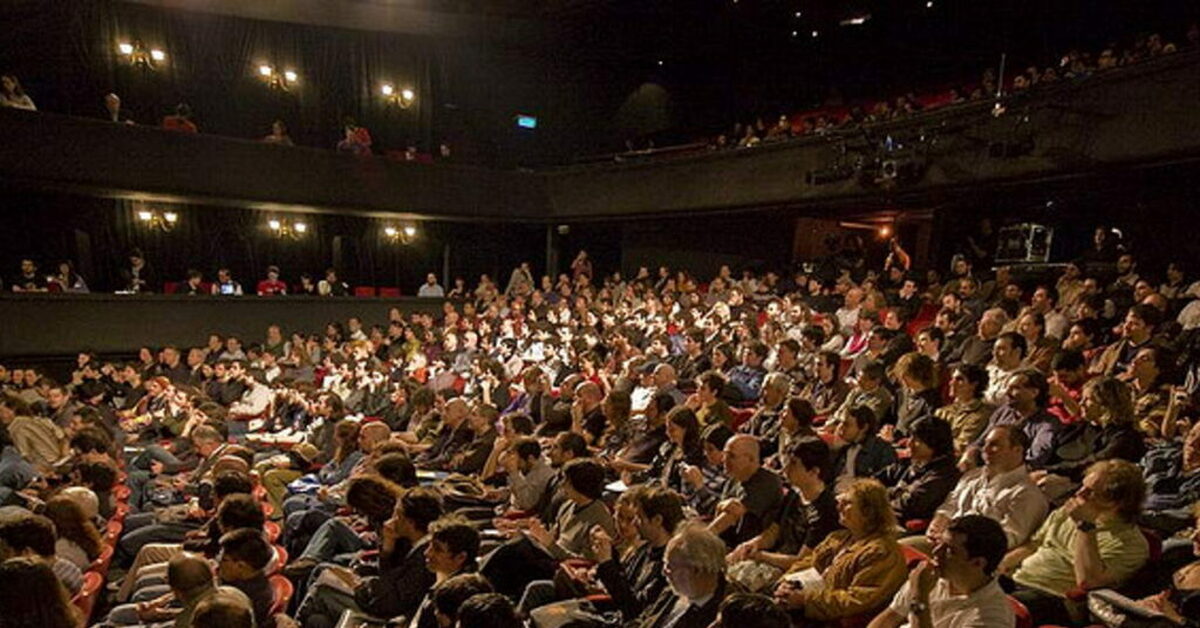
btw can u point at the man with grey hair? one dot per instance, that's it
(767, 417)
(694, 564)
(666, 382)
(977, 349)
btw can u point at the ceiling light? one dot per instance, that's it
(815, 34)
(929, 5)
(799, 14)
(795, 33)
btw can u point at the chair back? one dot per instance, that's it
(283, 590)
(1024, 619)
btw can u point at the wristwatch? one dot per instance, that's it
(916, 607)
(1085, 526)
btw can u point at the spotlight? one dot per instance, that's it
(816, 34)
(929, 5)
(885, 231)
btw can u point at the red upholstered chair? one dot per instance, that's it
(170, 287)
(281, 557)
(85, 600)
(1024, 619)
(283, 590)
(100, 565)
(113, 532)
(916, 526)
(364, 291)
(272, 530)
(912, 557)
(740, 416)
(389, 293)
(122, 493)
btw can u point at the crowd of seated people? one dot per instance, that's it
(1074, 64)
(839, 446)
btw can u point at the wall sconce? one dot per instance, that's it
(156, 220)
(292, 230)
(400, 235)
(282, 81)
(140, 56)
(403, 98)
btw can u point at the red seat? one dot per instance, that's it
(364, 291)
(916, 526)
(100, 565)
(281, 557)
(1024, 620)
(170, 287)
(268, 509)
(85, 600)
(389, 293)
(122, 493)
(119, 512)
(740, 416)
(113, 532)
(272, 530)
(912, 556)
(283, 590)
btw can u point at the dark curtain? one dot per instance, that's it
(65, 52)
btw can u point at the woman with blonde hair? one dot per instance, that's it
(860, 568)
(1108, 431)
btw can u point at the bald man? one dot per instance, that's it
(666, 381)
(587, 416)
(752, 495)
(454, 435)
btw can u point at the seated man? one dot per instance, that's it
(859, 451)
(451, 556)
(958, 585)
(242, 565)
(30, 535)
(1092, 541)
(403, 579)
(751, 496)
(694, 564)
(1001, 490)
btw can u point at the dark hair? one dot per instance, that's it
(1036, 379)
(1066, 360)
(752, 609)
(865, 418)
(802, 411)
(712, 380)
(422, 506)
(230, 482)
(458, 536)
(585, 476)
(1148, 313)
(935, 334)
(99, 476)
(663, 402)
(488, 610)
(520, 423)
(662, 502)
(811, 453)
(984, 538)
(372, 496)
(873, 369)
(1016, 340)
(574, 443)
(248, 546)
(683, 416)
(238, 511)
(90, 440)
(222, 611)
(72, 523)
(451, 594)
(716, 435)
(974, 374)
(34, 596)
(935, 433)
(526, 447)
(27, 531)
(398, 468)
(1016, 436)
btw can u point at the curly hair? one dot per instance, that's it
(72, 524)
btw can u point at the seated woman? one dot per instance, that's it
(1107, 432)
(809, 514)
(277, 481)
(78, 539)
(859, 569)
(682, 447)
(795, 423)
(918, 487)
(1092, 541)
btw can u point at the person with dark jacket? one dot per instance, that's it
(859, 443)
(637, 581)
(695, 569)
(917, 488)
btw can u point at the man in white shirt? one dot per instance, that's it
(1001, 490)
(957, 587)
(1008, 354)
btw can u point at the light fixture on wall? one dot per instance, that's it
(400, 235)
(155, 219)
(289, 229)
(282, 81)
(140, 56)
(402, 98)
